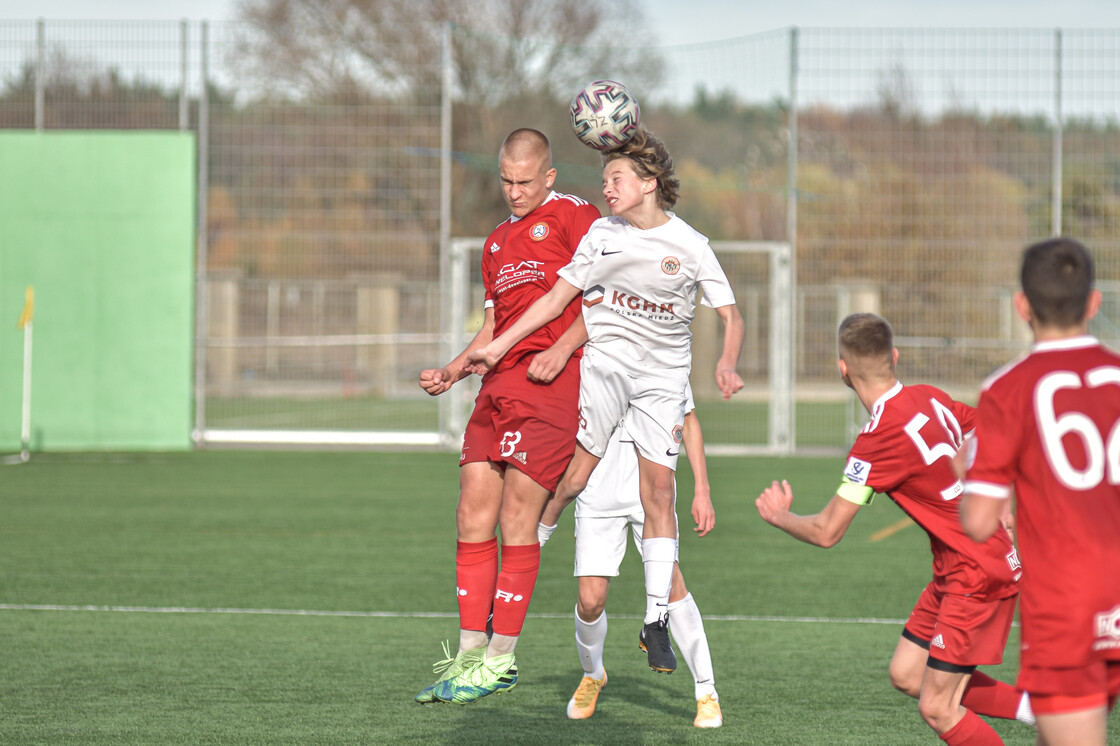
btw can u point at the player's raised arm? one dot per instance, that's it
(543, 310)
(437, 380)
(727, 377)
(823, 529)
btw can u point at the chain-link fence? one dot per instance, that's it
(333, 178)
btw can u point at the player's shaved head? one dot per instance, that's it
(866, 343)
(526, 144)
(525, 171)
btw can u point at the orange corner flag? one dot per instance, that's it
(28, 308)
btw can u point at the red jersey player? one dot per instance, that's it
(1048, 431)
(963, 617)
(522, 431)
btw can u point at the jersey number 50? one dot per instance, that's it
(1099, 453)
(941, 448)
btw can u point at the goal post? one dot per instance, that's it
(300, 405)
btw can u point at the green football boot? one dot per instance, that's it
(449, 667)
(498, 674)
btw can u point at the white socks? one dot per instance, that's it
(590, 639)
(658, 556)
(687, 627)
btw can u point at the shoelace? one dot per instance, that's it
(708, 709)
(587, 690)
(664, 641)
(440, 666)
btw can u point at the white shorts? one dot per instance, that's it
(653, 407)
(601, 543)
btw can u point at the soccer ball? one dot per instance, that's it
(604, 115)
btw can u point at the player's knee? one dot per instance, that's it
(470, 524)
(939, 713)
(905, 681)
(590, 607)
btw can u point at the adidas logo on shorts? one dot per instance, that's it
(937, 642)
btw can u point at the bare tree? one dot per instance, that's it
(330, 49)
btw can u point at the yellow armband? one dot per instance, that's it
(859, 494)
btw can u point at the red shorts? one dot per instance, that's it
(1059, 690)
(962, 630)
(527, 425)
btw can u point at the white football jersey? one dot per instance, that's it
(639, 291)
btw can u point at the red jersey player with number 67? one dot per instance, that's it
(1048, 432)
(963, 617)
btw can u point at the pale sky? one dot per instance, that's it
(684, 21)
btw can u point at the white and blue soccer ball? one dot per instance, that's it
(605, 115)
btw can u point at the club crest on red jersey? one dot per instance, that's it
(539, 231)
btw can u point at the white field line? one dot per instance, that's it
(413, 614)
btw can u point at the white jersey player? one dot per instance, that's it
(639, 272)
(606, 511)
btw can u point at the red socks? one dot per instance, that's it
(972, 731)
(520, 565)
(986, 696)
(482, 588)
(476, 573)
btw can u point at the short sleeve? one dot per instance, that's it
(713, 281)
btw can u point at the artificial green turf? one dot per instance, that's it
(178, 537)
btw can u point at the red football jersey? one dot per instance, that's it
(906, 451)
(519, 265)
(1049, 428)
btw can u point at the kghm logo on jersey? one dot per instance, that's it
(594, 296)
(641, 306)
(670, 265)
(539, 231)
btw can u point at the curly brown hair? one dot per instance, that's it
(651, 160)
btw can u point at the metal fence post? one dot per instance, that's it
(40, 74)
(1056, 197)
(184, 119)
(785, 365)
(447, 315)
(202, 288)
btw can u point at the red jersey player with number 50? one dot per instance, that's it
(1048, 432)
(963, 617)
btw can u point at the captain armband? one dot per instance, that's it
(860, 494)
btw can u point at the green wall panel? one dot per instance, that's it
(102, 224)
